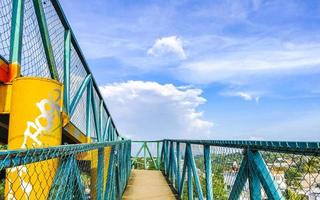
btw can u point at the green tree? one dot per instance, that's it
(293, 177)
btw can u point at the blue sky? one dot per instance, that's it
(223, 69)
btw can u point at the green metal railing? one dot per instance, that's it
(73, 176)
(146, 154)
(202, 169)
(36, 35)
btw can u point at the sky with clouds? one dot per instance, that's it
(222, 69)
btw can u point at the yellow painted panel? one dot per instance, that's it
(35, 121)
(75, 134)
(94, 170)
(5, 98)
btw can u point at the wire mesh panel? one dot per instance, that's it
(56, 34)
(79, 116)
(5, 27)
(225, 166)
(33, 60)
(296, 176)
(66, 172)
(77, 72)
(146, 155)
(93, 132)
(182, 156)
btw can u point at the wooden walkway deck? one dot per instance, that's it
(148, 184)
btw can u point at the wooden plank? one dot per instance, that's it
(148, 184)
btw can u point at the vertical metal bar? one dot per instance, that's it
(95, 117)
(208, 171)
(254, 184)
(170, 161)
(195, 172)
(265, 177)
(144, 155)
(158, 155)
(150, 155)
(184, 170)
(100, 120)
(66, 78)
(88, 109)
(106, 129)
(100, 174)
(178, 164)
(110, 175)
(79, 94)
(16, 36)
(164, 150)
(190, 184)
(44, 32)
(240, 181)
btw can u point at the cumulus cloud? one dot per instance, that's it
(247, 96)
(168, 45)
(149, 110)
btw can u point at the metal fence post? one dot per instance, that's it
(16, 39)
(145, 155)
(66, 73)
(178, 165)
(208, 171)
(100, 174)
(44, 32)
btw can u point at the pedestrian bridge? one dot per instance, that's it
(59, 141)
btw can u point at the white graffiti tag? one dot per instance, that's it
(43, 123)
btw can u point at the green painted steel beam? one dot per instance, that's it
(178, 165)
(16, 31)
(100, 175)
(195, 172)
(184, 171)
(106, 129)
(100, 120)
(305, 148)
(254, 182)
(79, 94)
(150, 155)
(66, 64)
(189, 178)
(208, 171)
(158, 155)
(270, 187)
(44, 32)
(240, 181)
(88, 109)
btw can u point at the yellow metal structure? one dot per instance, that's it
(5, 97)
(94, 170)
(75, 134)
(35, 121)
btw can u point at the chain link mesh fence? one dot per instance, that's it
(5, 27)
(294, 175)
(33, 58)
(65, 172)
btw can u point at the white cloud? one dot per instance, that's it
(167, 45)
(247, 96)
(248, 61)
(149, 110)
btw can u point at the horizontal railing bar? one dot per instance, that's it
(147, 141)
(13, 158)
(277, 146)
